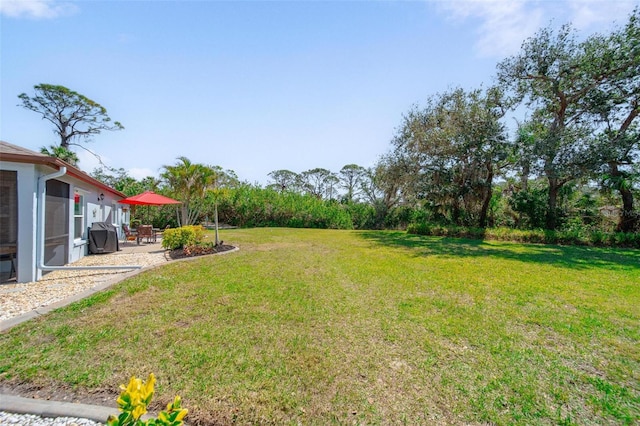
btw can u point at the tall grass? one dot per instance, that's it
(249, 206)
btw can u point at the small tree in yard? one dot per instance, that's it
(188, 182)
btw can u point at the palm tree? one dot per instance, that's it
(189, 182)
(62, 153)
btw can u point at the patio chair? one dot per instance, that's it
(129, 235)
(146, 231)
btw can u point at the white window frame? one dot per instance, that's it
(82, 215)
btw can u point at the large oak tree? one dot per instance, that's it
(559, 78)
(450, 151)
(615, 107)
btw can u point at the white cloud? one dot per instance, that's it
(141, 173)
(88, 161)
(36, 9)
(502, 25)
(597, 14)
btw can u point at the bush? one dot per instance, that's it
(623, 239)
(576, 236)
(532, 204)
(133, 403)
(598, 238)
(419, 229)
(177, 238)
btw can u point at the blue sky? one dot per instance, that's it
(257, 86)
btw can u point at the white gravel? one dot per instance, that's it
(33, 420)
(17, 299)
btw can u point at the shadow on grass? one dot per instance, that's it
(568, 256)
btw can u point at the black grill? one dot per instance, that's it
(103, 238)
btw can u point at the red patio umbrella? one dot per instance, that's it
(149, 198)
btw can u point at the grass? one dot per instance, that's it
(335, 327)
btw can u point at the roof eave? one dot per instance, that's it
(57, 163)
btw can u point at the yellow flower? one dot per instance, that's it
(136, 396)
(183, 413)
(147, 391)
(175, 404)
(134, 385)
(139, 411)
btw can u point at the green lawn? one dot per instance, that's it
(343, 327)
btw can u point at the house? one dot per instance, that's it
(46, 209)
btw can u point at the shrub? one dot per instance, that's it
(176, 238)
(532, 204)
(133, 403)
(623, 239)
(419, 229)
(598, 238)
(363, 216)
(572, 236)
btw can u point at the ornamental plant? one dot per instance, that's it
(133, 403)
(176, 238)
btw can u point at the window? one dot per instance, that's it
(78, 215)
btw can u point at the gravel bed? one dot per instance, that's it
(33, 420)
(17, 299)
